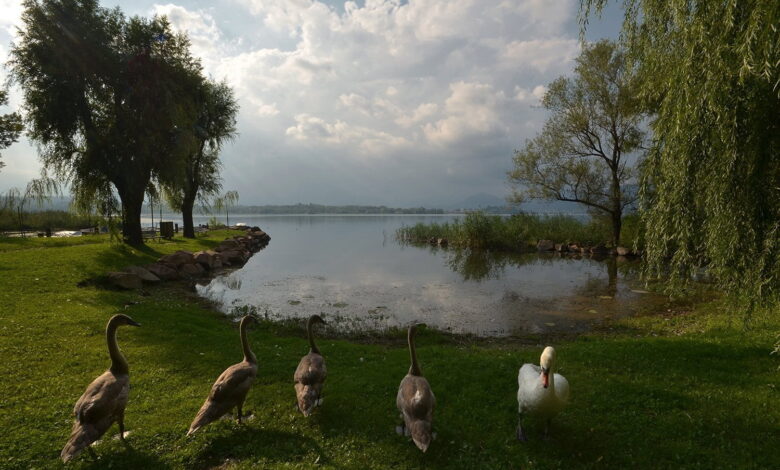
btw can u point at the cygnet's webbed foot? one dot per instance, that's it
(122, 437)
(241, 417)
(400, 430)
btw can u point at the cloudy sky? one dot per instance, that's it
(394, 102)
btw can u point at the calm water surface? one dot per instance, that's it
(352, 270)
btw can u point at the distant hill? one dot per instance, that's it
(478, 201)
(494, 204)
(552, 207)
(323, 209)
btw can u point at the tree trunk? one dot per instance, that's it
(617, 204)
(21, 227)
(186, 213)
(132, 205)
(617, 222)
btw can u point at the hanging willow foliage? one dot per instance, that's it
(711, 192)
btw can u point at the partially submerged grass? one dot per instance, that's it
(685, 389)
(518, 232)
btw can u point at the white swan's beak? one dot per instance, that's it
(545, 379)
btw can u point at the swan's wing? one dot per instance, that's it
(309, 379)
(228, 391)
(528, 374)
(311, 370)
(102, 398)
(234, 383)
(415, 398)
(528, 384)
(561, 388)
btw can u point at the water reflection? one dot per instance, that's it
(351, 269)
(478, 265)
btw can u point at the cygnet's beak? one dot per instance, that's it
(133, 323)
(545, 378)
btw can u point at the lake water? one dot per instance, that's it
(351, 270)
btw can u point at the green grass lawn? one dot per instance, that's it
(682, 389)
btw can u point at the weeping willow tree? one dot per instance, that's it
(38, 191)
(214, 124)
(104, 99)
(10, 126)
(226, 201)
(710, 74)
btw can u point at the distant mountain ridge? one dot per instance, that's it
(334, 209)
(479, 201)
(493, 203)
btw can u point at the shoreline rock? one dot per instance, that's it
(232, 252)
(545, 245)
(124, 280)
(144, 274)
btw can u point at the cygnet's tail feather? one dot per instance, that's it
(81, 437)
(209, 412)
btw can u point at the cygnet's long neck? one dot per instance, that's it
(249, 356)
(312, 346)
(414, 369)
(118, 361)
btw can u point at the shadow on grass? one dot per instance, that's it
(121, 456)
(252, 443)
(119, 256)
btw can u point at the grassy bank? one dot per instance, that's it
(685, 389)
(520, 232)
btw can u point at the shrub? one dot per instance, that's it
(519, 232)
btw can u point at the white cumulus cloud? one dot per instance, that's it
(407, 83)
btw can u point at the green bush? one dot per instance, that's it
(215, 223)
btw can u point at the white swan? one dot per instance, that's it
(540, 391)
